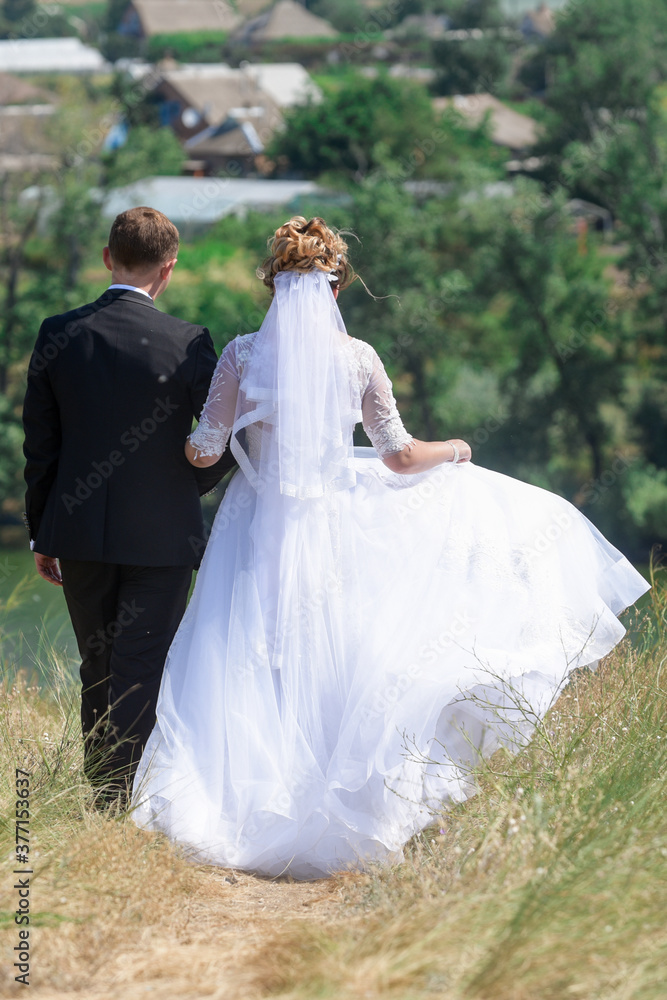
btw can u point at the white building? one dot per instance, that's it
(202, 201)
(50, 55)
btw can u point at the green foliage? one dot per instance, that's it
(11, 454)
(498, 318)
(646, 498)
(18, 10)
(115, 11)
(476, 65)
(475, 13)
(607, 58)
(146, 148)
(114, 46)
(347, 16)
(27, 19)
(377, 125)
(136, 107)
(198, 46)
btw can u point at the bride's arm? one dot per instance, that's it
(398, 450)
(209, 439)
(420, 456)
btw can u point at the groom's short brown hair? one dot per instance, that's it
(141, 238)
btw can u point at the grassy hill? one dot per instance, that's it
(549, 883)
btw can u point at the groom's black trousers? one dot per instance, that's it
(124, 619)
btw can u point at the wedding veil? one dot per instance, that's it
(297, 405)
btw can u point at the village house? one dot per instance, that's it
(285, 19)
(195, 203)
(508, 128)
(146, 18)
(226, 117)
(50, 55)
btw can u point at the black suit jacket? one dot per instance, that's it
(112, 391)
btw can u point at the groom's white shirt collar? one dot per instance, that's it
(132, 288)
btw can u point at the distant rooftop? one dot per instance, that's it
(507, 127)
(157, 17)
(286, 19)
(202, 201)
(50, 55)
(287, 83)
(514, 8)
(13, 91)
(213, 84)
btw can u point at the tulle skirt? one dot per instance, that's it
(344, 662)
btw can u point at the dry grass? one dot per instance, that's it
(116, 911)
(551, 883)
(547, 885)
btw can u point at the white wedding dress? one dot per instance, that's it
(357, 639)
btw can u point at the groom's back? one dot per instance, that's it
(120, 382)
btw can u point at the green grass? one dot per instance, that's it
(34, 623)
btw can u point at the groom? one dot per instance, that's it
(112, 504)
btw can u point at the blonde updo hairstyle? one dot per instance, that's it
(305, 245)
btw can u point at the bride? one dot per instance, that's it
(366, 624)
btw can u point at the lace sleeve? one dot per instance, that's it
(211, 435)
(382, 421)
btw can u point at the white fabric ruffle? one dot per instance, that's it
(336, 678)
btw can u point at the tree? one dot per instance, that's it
(145, 147)
(411, 256)
(347, 16)
(606, 141)
(15, 14)
(471, 66)
(606, 57)
(475, 13)
(344, 131)
(18, 10)
(561, 324)
(114, 14)
(379, 126)
(19, 223)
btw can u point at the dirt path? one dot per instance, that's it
(212, 950)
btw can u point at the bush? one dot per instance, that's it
(147, 151)
(199, 46)
(472, 66)
(646, 498)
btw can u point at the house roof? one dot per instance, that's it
(216, 91)
(165, 17)
(24, 145)
(204, 200)
(287, 83)
(254, 93)
(508, 127)
(13, 90)
(287, 19)
(252, 8)
(514, 8)
(232, 138)
(50, 55)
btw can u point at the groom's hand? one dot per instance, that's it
(48, 569)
